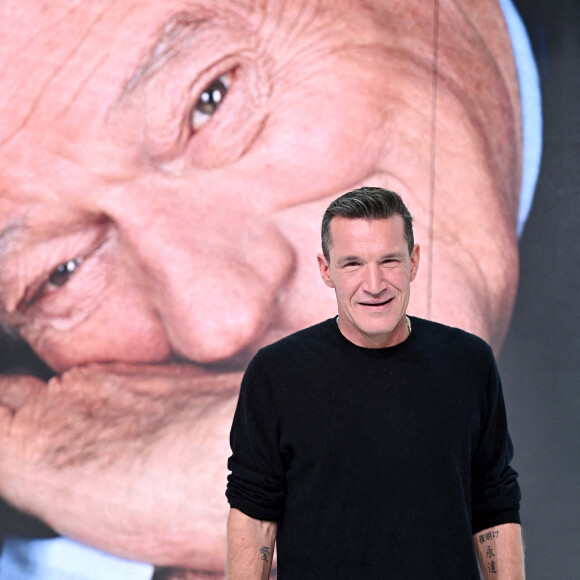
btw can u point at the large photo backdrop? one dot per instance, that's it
(164, 167)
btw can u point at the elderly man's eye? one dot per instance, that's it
(209, 101)
(63, 272)
(56, 279)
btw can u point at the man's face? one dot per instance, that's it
(165, 166)
(371, 272)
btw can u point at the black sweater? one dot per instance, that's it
(375, 463)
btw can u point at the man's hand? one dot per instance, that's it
(128, 459)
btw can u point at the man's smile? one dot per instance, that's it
(382, 303)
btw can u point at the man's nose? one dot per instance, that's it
(373, 279)
(216, 290)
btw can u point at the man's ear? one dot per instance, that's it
(415, 256)
(324, 270)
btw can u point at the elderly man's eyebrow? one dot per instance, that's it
(176, 33)
(9, 236)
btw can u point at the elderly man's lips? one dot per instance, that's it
(199, 379)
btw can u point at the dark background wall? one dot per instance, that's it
(540, 362)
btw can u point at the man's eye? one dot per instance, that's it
(63, 272)
(209, 101)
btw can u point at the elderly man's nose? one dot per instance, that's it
(217, 302)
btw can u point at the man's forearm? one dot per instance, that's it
(250, 547)
(500, 552)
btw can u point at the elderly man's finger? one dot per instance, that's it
(15, 390)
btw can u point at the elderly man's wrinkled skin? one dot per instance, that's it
(164, 167)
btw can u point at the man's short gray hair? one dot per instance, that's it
(370, 203)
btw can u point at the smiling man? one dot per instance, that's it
(372, 288)
(163, 169)
(373, 444)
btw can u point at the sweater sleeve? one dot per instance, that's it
(495, 490)
(256, 482)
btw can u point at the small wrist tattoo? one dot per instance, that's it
(265, 551)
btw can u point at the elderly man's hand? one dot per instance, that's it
(128, 459)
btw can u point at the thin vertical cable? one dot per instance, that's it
(434, 82)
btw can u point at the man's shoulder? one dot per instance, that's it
(305, 339)
(297, 353)
(440, 336)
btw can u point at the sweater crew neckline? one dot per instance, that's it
(373, 352)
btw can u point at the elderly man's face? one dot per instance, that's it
(164, 167)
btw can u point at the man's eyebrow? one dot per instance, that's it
(175, 33)
(393, 255)
(355, 258)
